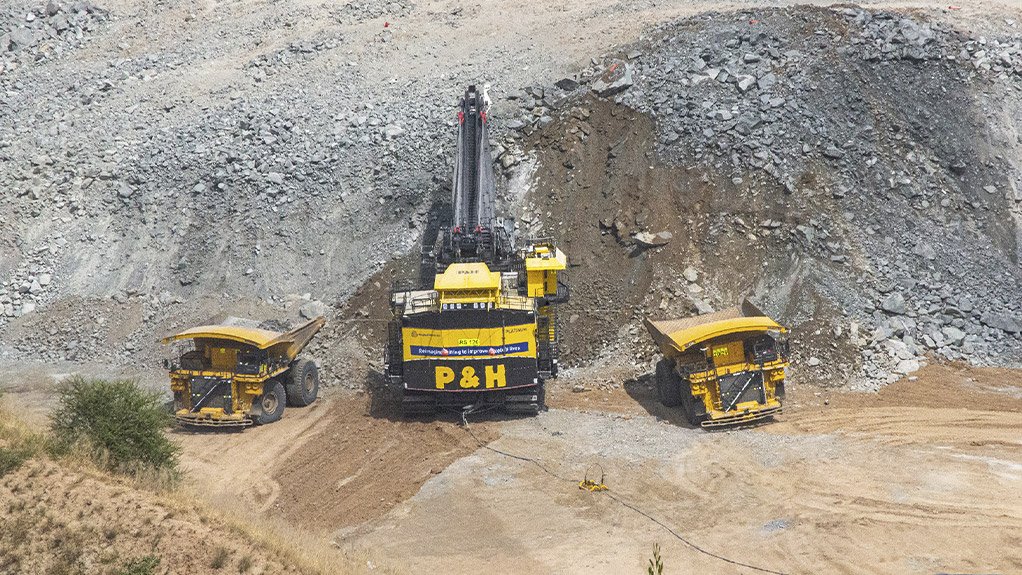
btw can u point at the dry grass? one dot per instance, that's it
(311, 553)
(18, 441)
(268, 538)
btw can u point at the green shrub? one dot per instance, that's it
(143, 566)
(122, 424)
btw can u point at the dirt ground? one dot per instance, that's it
(896, 483)
(922, 477)
(337, 463)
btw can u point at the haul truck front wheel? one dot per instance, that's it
(269, 406)
(667, 385)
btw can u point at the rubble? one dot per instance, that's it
(848, 136)
(753, 97)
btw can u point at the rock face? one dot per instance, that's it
(902, 229)
(850, 153)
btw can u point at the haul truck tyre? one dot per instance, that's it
(302, 385)
(269, 406)
(667, 385)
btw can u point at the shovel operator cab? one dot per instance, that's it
(722, 368)
(236, 376)
(479, 326)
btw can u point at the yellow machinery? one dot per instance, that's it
(234, 376)
(478, 327)
(722, 368)
(479, 337)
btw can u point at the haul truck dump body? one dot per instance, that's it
(722, 368)
(479, 327)
(235, 376)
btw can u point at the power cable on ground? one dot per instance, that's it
(473, 409)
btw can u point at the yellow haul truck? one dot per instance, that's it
(235, 376)
(722, 368)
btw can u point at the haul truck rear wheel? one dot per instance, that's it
(269, 406)
(302, 385)
(667, 386)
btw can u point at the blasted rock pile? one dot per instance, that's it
(874, 127)
(31, 35)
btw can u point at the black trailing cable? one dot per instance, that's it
(470, 409)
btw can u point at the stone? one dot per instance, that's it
(567, 84)
(894, 303)
(615, 79)
(653, 240)
(833, 152)
(907, 366)
(925, 250)
(702, 307)
(124, 190)
(313, 309)
(691, 275)
(275, 178)
(747, 123)
(22, 38)
(1002, 321)
(393, 131)
(27, 307)
(44, 279)
(953, 335)
(750, 58)
(814, 361)
(766, 81)
(745, 83)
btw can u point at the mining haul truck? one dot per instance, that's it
(478, 327)
(723, 368)
(235, 376)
